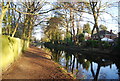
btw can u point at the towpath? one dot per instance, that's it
(35, 64)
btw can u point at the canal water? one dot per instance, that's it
(84, 66)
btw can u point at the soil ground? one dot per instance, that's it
(35, 64)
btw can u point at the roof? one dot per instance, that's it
(103, 32)
(107, 39)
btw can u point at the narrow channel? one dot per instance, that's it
(84, 66)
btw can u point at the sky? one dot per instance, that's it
(110, 23)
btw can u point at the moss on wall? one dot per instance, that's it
(11, 50)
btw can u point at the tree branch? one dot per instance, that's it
(33, 13)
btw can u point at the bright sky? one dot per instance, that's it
(110, 22)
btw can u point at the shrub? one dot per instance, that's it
(95, 44)
(92, 43)
(81, 37)
(117, 47)
(105, 44)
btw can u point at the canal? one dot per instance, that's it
(84, 66)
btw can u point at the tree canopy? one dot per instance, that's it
(86, 28)
(102, 27)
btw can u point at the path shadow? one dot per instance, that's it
(35, 55)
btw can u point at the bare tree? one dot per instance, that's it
(4, 10)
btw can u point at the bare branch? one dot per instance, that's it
(33, 13)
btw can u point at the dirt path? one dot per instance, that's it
(35, 64)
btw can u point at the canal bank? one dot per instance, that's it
(36, 64)
(86, 65)
(85, 50)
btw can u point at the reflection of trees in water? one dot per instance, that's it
(86, 65)
(118, 67)
(56, 55)
(68, 58)
(73, 65)
(82, 61)
(99, 60)
(117, 63)
(70, 62)
(95, 75)
(85, 61)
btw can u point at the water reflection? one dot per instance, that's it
(90, 66)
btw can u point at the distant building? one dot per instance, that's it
(105, 33)
(116, 39)
(87, 36)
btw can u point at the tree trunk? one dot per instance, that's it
(67, 31)
(4, 10)
(15, 30)
(9, 23)
(93, 74)
(24, 29)
(30, 28)
(73, 64)
(25, 26)
(94, 11)
(97, 29)
(92, 31)
(97, 73)
(71, 25)
(73, 28)
(17, 24)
